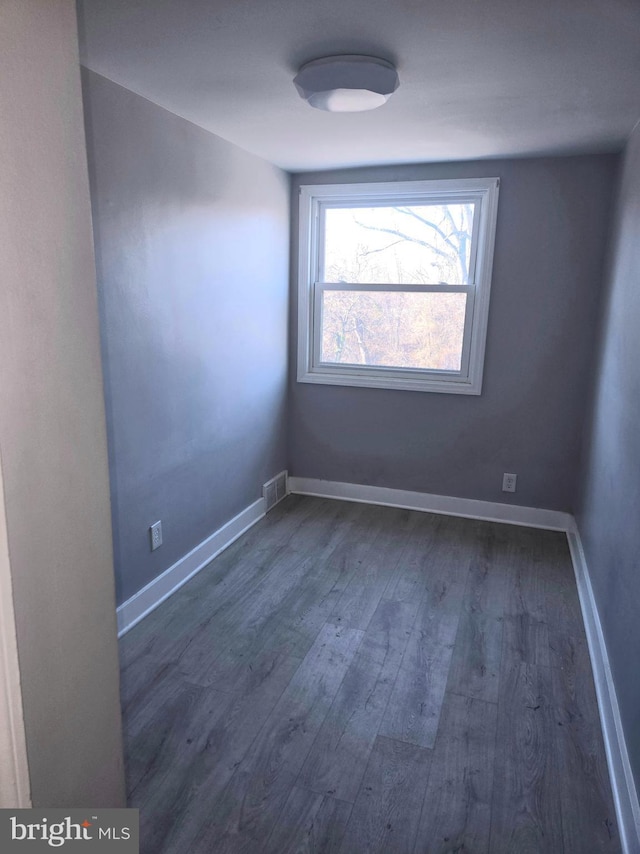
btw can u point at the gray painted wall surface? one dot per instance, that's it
(52, 419)
(551, 234)
(192, 245)
(609, 513)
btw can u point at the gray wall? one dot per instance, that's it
(609, 513)
(192, 243)
(52, 420)
(551, 234)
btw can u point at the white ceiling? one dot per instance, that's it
(478, 78)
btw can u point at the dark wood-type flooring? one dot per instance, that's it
(351, 678)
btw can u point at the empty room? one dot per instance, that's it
(319, 458)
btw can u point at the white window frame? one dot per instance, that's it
(483, 192)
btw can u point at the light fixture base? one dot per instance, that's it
(348, 83)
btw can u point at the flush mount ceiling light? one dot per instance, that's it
(346, 84)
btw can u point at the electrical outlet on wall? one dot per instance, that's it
(155, 533)
(509, 482)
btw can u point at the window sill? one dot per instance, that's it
(401, 383)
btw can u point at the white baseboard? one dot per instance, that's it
(470, 508)
(622, 783)
(148, 599)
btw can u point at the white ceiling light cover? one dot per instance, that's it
(346, 84)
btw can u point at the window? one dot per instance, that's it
(393, 283)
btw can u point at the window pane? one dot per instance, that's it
(407, 245)
(393, 329)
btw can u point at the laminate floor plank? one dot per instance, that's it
(309, 824)
(448, 565)
(159, 728)
(434, 565)
(477, 654)
(376, 568)
(385, 816)
(529, 578)
(526, 639)
(355, 679)
(237, 571)
(231, 576)
(254, 612)
(140, 676)
(272, 532)
(248, 810)
(291, 628)
(475, 663)
(193, 752)
(321, 532)
(413, 711)
(567, 638)
(243, 618)
(528, 777)
(285, 525)
(409, 581)
(493, 561)
(456, 815)
(166, 635)
(340, 752)
(587, 804)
